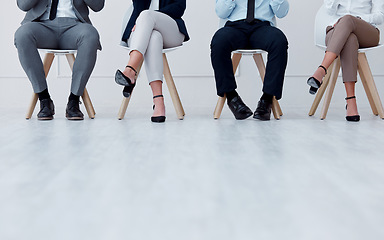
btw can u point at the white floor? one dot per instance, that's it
(299, 178)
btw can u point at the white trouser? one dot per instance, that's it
(154, 32)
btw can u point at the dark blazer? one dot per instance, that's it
(36, 8)
(173, 8)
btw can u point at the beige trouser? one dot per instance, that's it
(346, 37)
(154, 31)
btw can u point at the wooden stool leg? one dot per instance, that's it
(32, 106)
(321, 90)
(219, 107)
(86, 99)
(331, 87)
(47, 63)
(367, 91)
(365, 71)
(88, 104)
(276, 110)
(123, 107)
(172, 89)
(125, 102)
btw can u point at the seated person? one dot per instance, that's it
(58, 24)
(352, 25)
(153, 26)
(250, 25)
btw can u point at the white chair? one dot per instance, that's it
(171, 87)
(47, 63)
(329, 81)
(167, 76)
(258, 58)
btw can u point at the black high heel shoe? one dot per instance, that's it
(158, 119)
(354, 118)
(123, 80)
(314, 83)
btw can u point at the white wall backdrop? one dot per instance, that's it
(190, 65)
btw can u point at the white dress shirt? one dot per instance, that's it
(154, 5)
(371, 11)
(64, 9)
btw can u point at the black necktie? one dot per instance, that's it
(250, 11)
(52, 14)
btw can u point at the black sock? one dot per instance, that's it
(44, 95)
(266, 97)
(230, 95)
(74, 97)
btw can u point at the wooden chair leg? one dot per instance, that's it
(172, 89)
(372, 94)
(219, 107)
(86, 99)
(236, 57)
(276, 109)
(321, 90)
(123, 108)
(331, 87)
(88, 104)
(32, 106)
(125, 102)
(47, 63)
(368, 92)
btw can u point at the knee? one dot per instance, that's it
(346, 20)
(23, 36)
(220, 42)
(280, 41)
(89, 36)
(145, 16)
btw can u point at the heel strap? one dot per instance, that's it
(347, 98)
(131, 68)
(321, 66)
(157, 96)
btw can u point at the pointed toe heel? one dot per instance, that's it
(354, 118)
(123, 80)
(157, 119)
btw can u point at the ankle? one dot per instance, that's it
(231, 95)
(73, 97)
(44, 95)
(267, 97)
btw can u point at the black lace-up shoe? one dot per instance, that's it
(263, 111)
(47, 109)
(73, 111)
(239, 109)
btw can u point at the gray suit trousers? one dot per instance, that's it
(60, 33)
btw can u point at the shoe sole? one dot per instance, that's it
(245, 117)
(257, 117)
(75, 118)
(45, 118)
(311, 82)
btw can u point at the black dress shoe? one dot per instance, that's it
(239, 109)
(47, 109)
(263, 110)
(73, 111)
